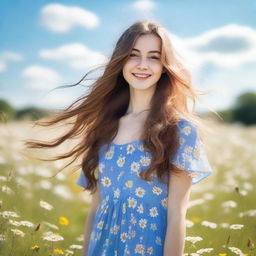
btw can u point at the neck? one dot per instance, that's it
(136, 113)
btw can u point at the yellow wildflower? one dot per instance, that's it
(63, 221)
(58, 251)
(35, 247)
(195, 219)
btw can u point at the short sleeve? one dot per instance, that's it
(81, 181)
(191, 155)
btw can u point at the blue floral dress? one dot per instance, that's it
(132, 216)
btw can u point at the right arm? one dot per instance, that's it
(90, 220)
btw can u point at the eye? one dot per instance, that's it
(154, 57)
(133, 55)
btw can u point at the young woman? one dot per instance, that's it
(140, 145)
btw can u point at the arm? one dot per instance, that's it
(90, 220)
(178, 197)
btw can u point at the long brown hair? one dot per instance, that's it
(95, 116)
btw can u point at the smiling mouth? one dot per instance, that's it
(143, 76)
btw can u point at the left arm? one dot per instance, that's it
(178, 197)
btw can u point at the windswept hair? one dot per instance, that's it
(95, 116)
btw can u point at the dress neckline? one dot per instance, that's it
(125, 144)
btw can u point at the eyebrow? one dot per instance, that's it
(134, 49)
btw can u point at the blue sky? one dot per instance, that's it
(45, 44)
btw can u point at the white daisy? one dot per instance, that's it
(164, 202)
(18, 232)
(101, 166)
(150, 250)
(123, 237)
(106, 182)
(186, 130)
(140, 192)
(109, 154)
(153, 212)
(100, 224)
(53, 238)
(157, 190)
(209, 224)
(139, 249)
(141, 147)
(143, 223)
(117, 193)
(145, 161)
(121, 161)
(153, 226)
(7, 214)
(158, 240)
(129, 184)
(140, 208)
(76, 246)
(132, 202)
(46, 205)
(135, 166)
(130, 149)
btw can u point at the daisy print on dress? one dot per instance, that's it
(124, 237)
(191, 155)
(110, 153)
(101, 167)
(139, 249)
(132, 202)
(140, 192)
(153, 212)
(117, 193)
(150, 250)
(143, 223)
(153, 226)
(106, 182)
(157, 190)
(129, 184)
(140, 209)
(130, 149)
(164, 202)
(132, 207)
(135, 166)
(186, 130)
(145, 160)
(120, 161)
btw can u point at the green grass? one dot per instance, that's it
(231, 154)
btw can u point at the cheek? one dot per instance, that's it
(127, 66)
(157, 69)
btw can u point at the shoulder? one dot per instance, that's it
(186, 127)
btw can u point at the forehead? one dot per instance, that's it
(146, 43)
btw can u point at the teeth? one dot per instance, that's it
(141, 75)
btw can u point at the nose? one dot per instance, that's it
(142, 64)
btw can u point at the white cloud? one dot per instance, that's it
(60, 18)
(227, 47)
(7, 57)
(41, 78)
(77, 55)
(2, 66)
(220, 59)
(144, 5)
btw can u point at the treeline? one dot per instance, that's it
(244, 111)
(9, 113)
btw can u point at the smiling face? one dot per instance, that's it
(144, 68)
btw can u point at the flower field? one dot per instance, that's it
(44, 215)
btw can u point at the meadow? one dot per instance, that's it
(44, 215)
